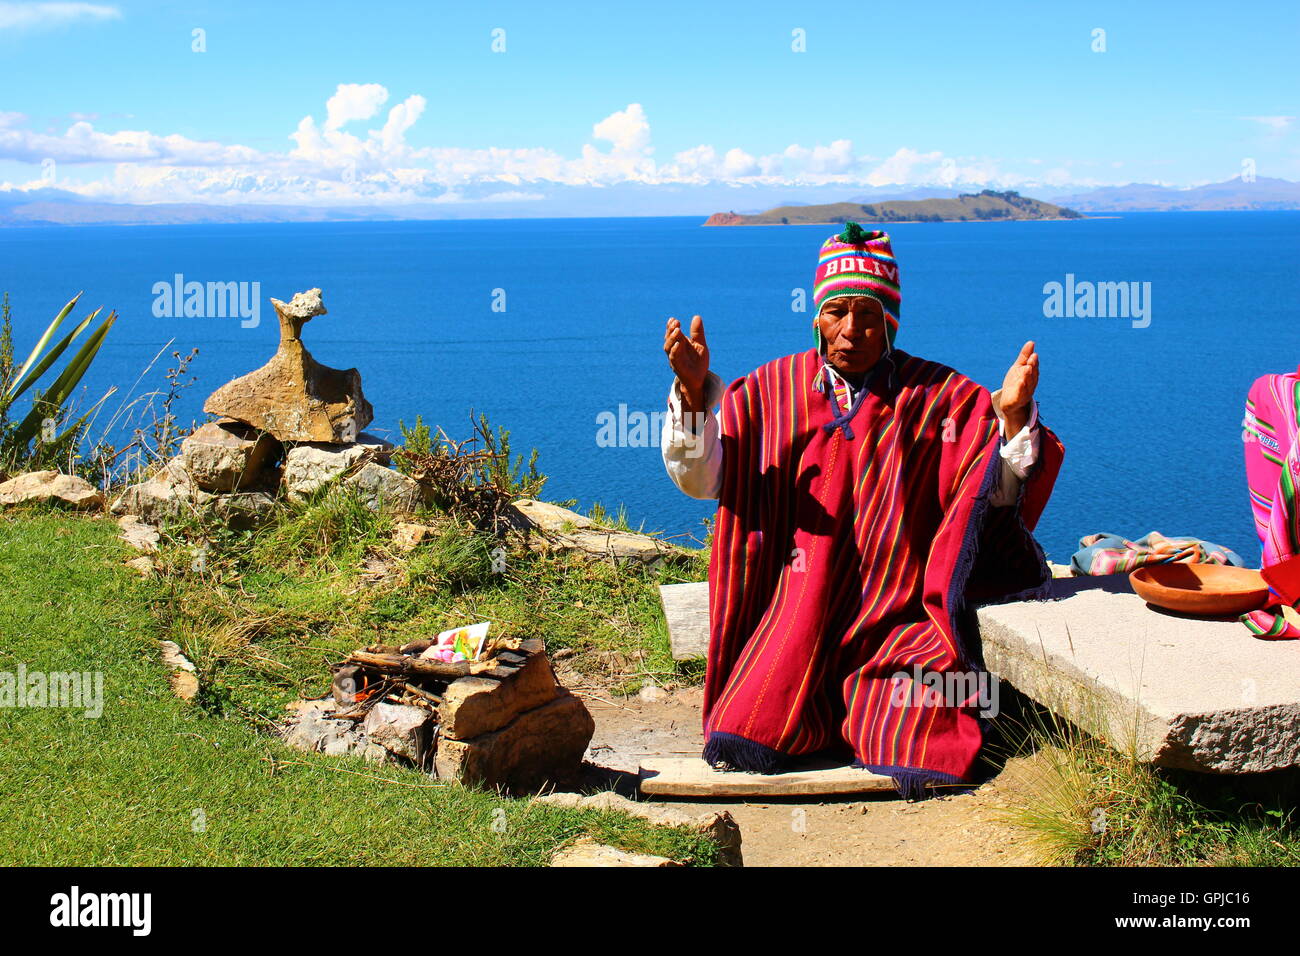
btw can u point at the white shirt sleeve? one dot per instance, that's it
(692, 451)
(1018, 455)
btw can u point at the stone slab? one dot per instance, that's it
(686, 608)
(537, 749)
(692, 777)
(479, 705)
(1177, 691)
(586, 852)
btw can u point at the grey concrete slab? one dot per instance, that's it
(1177, 691)
(686, 607)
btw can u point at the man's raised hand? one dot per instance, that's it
(689, 359)
(1018, 389)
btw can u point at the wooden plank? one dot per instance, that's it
(692, 777)
(686, 608)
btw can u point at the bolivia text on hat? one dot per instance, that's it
(1103, 300)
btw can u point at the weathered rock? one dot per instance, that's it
(544, 516)
(183, 684)
(50, 487)
(182, 677)
(407, 535)
(622, 547)
(137, 534)
(383, 489)
(479, 705)
(718, 825)
(313, 727)
(400, 729)
(587, 852)
(311, 465)
(565, 530)
(242, 509)
(228, 455)
(167, 494)
(541, 746)
(173, 657)
(294, 397)
(171, 493)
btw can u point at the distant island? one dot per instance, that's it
(47, 205)
(986, 206)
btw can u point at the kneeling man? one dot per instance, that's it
(867, 501)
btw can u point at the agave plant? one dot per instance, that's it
(49, 402)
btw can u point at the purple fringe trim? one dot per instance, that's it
(741, 753)
(912, 782)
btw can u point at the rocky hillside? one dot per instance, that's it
(988, 205)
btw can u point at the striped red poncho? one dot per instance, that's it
(844, 557)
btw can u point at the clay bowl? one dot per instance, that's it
(1202, 589)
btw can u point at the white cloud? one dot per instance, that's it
(1277, 124)
(359, 153)
(628, 130)
(82, 143)
(400, 119)
(794, 165)
(353, 101)
(901, 168)
(36, 16)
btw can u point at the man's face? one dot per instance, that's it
(853, 330)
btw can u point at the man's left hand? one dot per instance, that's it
(1018, 389)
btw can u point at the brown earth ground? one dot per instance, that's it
(966, 829)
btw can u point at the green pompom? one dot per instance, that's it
(853, 234)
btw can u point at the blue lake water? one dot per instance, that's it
(1150, 416)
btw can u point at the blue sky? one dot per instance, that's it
(394, 102)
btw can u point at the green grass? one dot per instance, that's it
(157, 781)
(262, 616)
(1089, 804)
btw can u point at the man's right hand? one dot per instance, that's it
(689, 359)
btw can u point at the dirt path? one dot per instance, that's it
(961, 830)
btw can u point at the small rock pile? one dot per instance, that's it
(503, 721)
(288, 428)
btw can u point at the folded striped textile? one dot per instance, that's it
(1109, 553)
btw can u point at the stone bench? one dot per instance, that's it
(1177, 691)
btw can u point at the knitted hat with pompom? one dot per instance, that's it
(858, 262)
